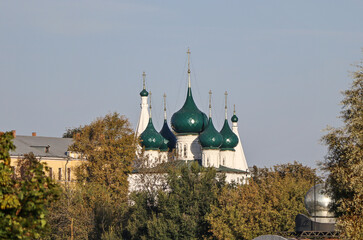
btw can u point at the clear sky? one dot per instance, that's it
(283, 63)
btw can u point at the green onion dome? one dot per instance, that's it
(144, 93)
(230, 139)
(234, 118)
(210, 138)
(168, 135)
(150, 138)
(189, 119)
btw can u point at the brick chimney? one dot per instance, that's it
(14, 133)
(34, 134)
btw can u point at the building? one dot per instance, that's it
(51, 150)
(194, 138)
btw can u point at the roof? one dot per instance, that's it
(57, 147)
(163, 167)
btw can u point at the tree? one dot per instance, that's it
(268, 204)
(70, 132)
(179, 212)
(98, 201)
(344, 161)
(23, 198)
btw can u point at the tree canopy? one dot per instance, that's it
(23, 197)
(268, 204)
(98, 201)
(179, 212)
(344, 161)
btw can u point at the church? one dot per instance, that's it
(193, 137)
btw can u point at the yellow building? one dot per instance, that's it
(50, 150)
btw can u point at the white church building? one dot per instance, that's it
(193, 138)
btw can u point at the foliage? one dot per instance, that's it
(344, 161)
(268, 204)
(98, 201)
(23, 198)
(71, 132)
(179, 212)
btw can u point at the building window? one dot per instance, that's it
(207, 162)
(59, 174)
(51, 173)
(224, 162)
(185, 151)
(69, 174)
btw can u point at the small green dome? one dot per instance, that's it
(230, 139)
(168, 135)
(150, 138)
(189, 119)
(144, 93)
(210, 138)
(234, 118)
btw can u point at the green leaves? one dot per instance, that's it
(23, 199)
(344, 161)
(179, 212)
(268, 204)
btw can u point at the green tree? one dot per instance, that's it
(98, 201)
(344, 161)
(268, 204)
(179, 212)
(23, 198)
(70, 132)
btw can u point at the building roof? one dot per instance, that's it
(57, 147)
(163, 167)
(150, 138)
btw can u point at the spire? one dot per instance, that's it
(150, 103)
(143, 93)
(234, 118)
(188, 52)
(164, 106)
(225, 105)
(210, 103)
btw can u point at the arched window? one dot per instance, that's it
(185, 150)
(224, 162)
(207, 162)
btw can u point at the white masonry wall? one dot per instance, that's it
(144, 116)
(188, 147)
(239, 157)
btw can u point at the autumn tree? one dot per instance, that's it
(268, 204)
(179, 212)
(23, 198)
(344, 161)
(99, 199)
(70, 132)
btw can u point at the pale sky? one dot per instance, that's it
(283, 63)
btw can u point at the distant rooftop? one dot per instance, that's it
(163, 167)
(41, 146)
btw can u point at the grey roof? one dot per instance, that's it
(58, 147)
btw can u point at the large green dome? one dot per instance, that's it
(189, 119)
(167, 134)
(150, 138)
(210, 138)
(230, 139)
